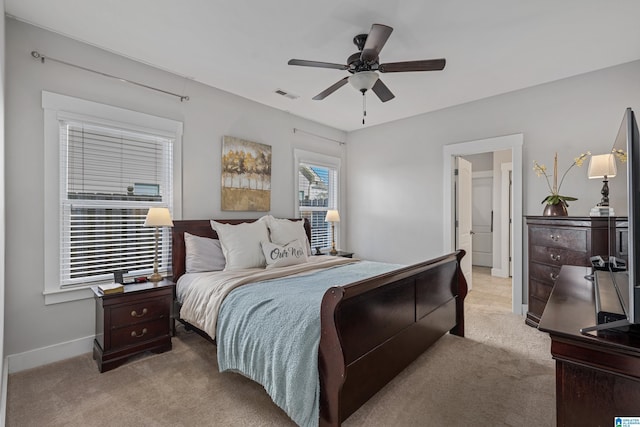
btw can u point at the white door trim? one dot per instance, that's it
(464, 215)
(514, 143)
(505, 251)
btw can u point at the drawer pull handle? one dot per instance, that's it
(135, 335)
(555, 257)
(135, 313)
(553, 276)
(555, 238)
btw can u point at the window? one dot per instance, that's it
(317, 191)
(112, 177)
(108, 174)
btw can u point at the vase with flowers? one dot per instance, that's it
(556, 204)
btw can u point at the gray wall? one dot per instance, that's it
(569, 116)
(210, 114)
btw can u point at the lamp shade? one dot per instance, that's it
(602, 165)
(332, 216)
(158, 217)
(364, 80)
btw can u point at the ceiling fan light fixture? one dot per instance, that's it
(364, 80)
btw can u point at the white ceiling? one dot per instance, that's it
(242, 46)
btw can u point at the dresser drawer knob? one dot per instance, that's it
(553, 276)
(555, 257)
(555, 238)
(135, 335)
(135, 313)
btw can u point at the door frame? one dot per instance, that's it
(506, 231)
(508, 142)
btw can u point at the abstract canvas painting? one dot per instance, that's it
(246, 175)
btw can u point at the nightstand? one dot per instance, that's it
(344, 254)
(132, 322)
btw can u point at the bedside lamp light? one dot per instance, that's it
(603, 166)
(157, 217)
(333, 216)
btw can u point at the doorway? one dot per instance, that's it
(509, 142)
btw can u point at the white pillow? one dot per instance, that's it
(283, 231)
(202, 254)
(241, 243)
(282, 255)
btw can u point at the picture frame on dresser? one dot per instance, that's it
(565, 240)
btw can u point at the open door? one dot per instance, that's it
(463, 209)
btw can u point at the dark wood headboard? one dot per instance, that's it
(202, 227)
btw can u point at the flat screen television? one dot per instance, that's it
(617, 284)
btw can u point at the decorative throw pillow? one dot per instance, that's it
(241, 243)
(202, 254)
(283, 255)
(283, 231)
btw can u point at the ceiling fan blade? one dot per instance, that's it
(328, 91)
(382, 91)
(317, 64)
(376, 39)
(425, 65)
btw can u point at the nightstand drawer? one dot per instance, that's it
(559, 238)
(139, 333)
(141, 311)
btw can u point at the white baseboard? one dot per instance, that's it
(45, 355)
(498, 272)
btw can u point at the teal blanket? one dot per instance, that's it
(270, 332)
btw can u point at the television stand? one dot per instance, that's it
(597, 376)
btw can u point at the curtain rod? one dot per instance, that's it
(42, 58)
(318, 136)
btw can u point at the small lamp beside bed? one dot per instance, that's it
(157, 217)
(333, 216)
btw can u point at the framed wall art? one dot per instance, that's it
(246, 175)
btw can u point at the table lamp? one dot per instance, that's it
(333, 216)
(603, 166)
(157, 217)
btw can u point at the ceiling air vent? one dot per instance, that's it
(286, 94)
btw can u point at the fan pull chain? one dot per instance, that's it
(364, 106)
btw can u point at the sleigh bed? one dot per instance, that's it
(370, 329)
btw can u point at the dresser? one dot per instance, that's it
(132, 322)
(558, 241)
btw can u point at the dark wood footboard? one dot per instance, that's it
(371, 330)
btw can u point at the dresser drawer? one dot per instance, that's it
(551, 237)
(139, 333)
(141, 311)
(558, 256)
(543, 273)
(540, 290)
(536, 307)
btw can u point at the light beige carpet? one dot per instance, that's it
(501, 374)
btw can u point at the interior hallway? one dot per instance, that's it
(490, 291)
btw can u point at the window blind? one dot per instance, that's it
(111, 177)
(317, 193)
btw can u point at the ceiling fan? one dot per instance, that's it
(363, 65)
